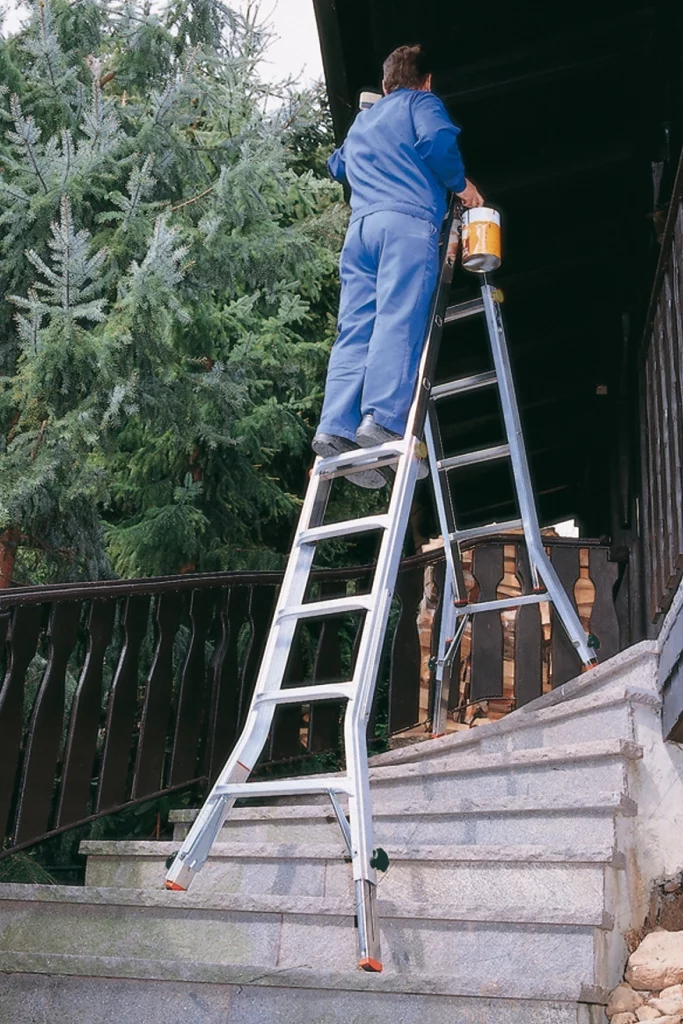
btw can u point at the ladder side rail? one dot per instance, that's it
(511, 417)
(358, 714)
(563, 606)
(454, 589)
(538, 558)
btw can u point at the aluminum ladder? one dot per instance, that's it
(403, 457)
(456, 609)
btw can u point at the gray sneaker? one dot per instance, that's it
(370, 434)
(327, 445)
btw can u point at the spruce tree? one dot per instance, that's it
(168, 255)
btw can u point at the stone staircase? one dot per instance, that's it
(521, 854)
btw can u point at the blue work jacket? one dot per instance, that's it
(401, 154)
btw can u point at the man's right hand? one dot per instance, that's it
(470, 196)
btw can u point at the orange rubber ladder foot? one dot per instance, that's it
(370, 965)
(590, 665)
(174, 887)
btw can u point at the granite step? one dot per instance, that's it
(475, 822)
(279, 934)
(521, 882)
(563, 715)
(82, 989)
(599, 766)
(596, 716)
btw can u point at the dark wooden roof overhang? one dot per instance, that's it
(564, 109)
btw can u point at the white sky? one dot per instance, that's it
(296, 48)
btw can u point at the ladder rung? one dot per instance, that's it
(344, 529)
(463, 310)
(490, 530)
(333, 606)
(362, 458)
(505, 602)
(287, 787)
(458, 387)
(307, 694)
(500, 451)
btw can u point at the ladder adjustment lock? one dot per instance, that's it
(426, 384)
(498, 296)
(438, 320)
(380, 859)
(593, 641)
(421, 450)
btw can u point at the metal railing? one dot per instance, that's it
(113, 693)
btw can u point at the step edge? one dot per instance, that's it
(173, 970)
(612, 802)
(577, 753)
(294, 906)
(526, 854)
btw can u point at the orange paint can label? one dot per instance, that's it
(481, 240)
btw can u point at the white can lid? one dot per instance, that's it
(368, 98)
(482, 214)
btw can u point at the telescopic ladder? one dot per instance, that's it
(402, 457)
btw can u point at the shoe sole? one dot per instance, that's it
(382, 436)
(369, 479)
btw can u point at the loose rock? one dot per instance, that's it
(624, 1018)
(623, 1000)
(670, 1000)
(648, 1013)
(670, 1006)
(676, 1019)
(658, 962)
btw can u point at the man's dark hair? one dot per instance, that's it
(405, 68)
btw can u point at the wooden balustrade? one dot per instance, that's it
(508, 658)
(115, 692)
(661, 404)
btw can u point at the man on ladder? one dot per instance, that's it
(379, 403)
(400, 159)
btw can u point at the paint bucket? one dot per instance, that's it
(481, 240)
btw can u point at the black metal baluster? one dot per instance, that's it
(151, 753)
(185, 757)
(44, 739)
(86, 714)
(487, 628)
(566, 662)
(225, 675)
(528, 639)
(23, 641)
(604, 622)
(404, 680)
(123, 707)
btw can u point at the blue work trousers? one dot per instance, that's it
(388, 267)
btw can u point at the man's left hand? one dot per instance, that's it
(470, 196)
